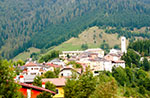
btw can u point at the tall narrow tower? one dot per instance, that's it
(123, 45)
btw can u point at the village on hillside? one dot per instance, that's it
(94, 59)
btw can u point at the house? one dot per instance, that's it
(100, 64)
(32, 69)
(86, 55)
(113, 57)
(50, 66)
(115, 51)
(69, 53)
(118, 63)
(59, 83)
(30, 91)
(57, 61)
(68, 71)
(99, 51)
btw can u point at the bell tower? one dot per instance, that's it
(123, 45)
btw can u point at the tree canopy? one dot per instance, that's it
(8, 88)
(19, 29)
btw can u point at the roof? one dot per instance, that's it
(78, 70)
(72, 51)
(55, 81)
(98, 60)
(55, 60)
(94, 49)
(114, 54)
(30, 64)
(119, 61)
(36, 87)
(53, 65)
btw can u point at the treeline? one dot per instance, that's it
(53, 54)
(128, 33)
(9, 88)
(141, 46)
(128, 82)
(39, 23)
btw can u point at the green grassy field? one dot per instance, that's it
(26, 54)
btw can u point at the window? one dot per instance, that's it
(31, 68)
(68, 74)
(96, 72)
(35, 68)
(57, 92)
(33, 73)
(62, 74)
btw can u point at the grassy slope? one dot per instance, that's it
(87, 37)
(26, 54)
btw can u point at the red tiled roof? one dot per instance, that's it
(53, 65)
(55, 81)
(36, 87)
(66, 68)
(113, 54)
(120, 61)
(31, 64)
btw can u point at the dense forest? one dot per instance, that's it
(129, 33)
(141, 46)
(36, 23)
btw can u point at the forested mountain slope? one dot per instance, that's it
(44, 23)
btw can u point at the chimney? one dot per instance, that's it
(21, 78)
(43, 84)
(28, 93)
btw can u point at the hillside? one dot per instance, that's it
(93, 37)
(36, 23)
(26, 54)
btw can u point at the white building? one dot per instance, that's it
(107, 65)
(123, 45)
(115, 51)
(99, 51)
(113, 57)
(118, 63)
(33, 69)
(68, 71)
(57, 61)
(70, 53)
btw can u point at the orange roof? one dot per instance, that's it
(36, 87)
(119, 61)
(55, 81)
(31, 64)
(53, 65)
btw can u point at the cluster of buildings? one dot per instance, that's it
(92, 58)
(96, 59)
